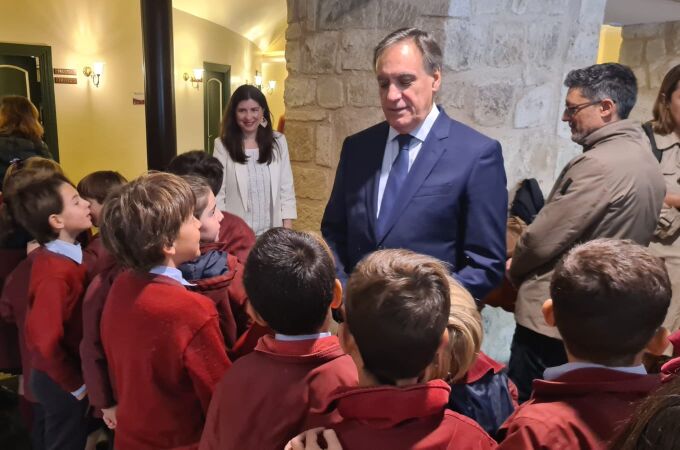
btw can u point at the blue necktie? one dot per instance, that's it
(395, 181)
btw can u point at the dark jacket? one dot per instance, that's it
(14, 147)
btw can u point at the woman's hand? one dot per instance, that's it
(309, 440)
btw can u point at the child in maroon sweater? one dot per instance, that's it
(609, 299)
(396, 313)
(50, 209)
(162, 342)
(281, 388)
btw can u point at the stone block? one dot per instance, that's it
(592, 12)
(325, 146)
(395, 14)
(300, 137)
(452, 93)
(311, 183)
(462, 49)
(362, 90)
(306, 115)
(490, 6)
(293, 57)
(642, 77)
(533, 109)
(658, 70)
(329, 92)
(349, 120)
(460, 8)
(655, 50)
(299, 91)
(347, 14)
(320, 51)
(674, 38)
(542, 43)
(643, 31)
(547, 7)
(583, 48)
(356, 49)
(293, 31)
(493, 103)
(310, 213)
(435, 25)
(505, 45)
(631, 52)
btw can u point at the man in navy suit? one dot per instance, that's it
(419, 180)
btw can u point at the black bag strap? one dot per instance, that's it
(647, 127)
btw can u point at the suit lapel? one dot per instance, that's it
(242, 182)
(374, 165)
(430, 152)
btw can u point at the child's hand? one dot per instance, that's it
(309, 440)
(110, 416)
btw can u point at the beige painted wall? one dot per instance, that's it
(196, 41)
(98, 128)
(275, 70)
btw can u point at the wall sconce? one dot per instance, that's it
(196, 78)
(258, 80)
(94, 72)
(271, 85)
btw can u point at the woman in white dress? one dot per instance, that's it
(258, 181)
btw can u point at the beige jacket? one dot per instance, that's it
(613, 189)
(233, 195)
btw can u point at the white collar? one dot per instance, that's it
(552, 373)
(71, 251)
(171, 272)
(301, 337)
(421, 130)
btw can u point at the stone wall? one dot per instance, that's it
(504, 65)
(651, 50)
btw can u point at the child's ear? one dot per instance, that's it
(444, 341)
(658, 344)
(169, 250)
(255, 315)
(55, 222)
(337, 295)
(549, 312)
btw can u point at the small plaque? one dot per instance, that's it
(137, 98)
(65, 72)
(65, 80)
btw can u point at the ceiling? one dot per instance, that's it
(628, 12)
(263, 22)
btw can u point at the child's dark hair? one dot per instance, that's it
(143, 216)
(98, 185)
(655, 424)
(30, 198)
(609, 299)
(290, 279)
(201, 164)
(397, 309)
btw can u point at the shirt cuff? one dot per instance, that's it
(80, 391)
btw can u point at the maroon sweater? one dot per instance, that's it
(165, 354)
(236, 235)
(54, 325)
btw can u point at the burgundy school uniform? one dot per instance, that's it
(13, 308)
(54, 322)
(276, 392)
(413, 417)
(236, 235)
(580, 409)
(228, 293)
(165, 354)
(96, 257)
(247, 342)
(93, 359)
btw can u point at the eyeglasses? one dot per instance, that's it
(571, 111)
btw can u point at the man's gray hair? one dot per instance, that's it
(600, 81)
(432, 54)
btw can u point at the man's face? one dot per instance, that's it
(582, 114)
(406, 89)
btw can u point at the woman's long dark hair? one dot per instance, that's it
(231, 134)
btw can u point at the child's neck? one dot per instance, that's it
(70, 237)
(366, 379)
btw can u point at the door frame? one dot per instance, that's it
(49, 110)
(213, 67)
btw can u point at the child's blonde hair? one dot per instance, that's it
(465, 337)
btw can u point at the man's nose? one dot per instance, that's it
(393, 92)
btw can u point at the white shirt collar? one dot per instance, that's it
(71, 251)
(422, 130)
(171, 272)
(301, 337)
(552, 373)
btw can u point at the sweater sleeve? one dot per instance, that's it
(220, 153)
(287, 189)
(52, 307)
(205, 359)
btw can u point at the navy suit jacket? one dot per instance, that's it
(452, 206)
